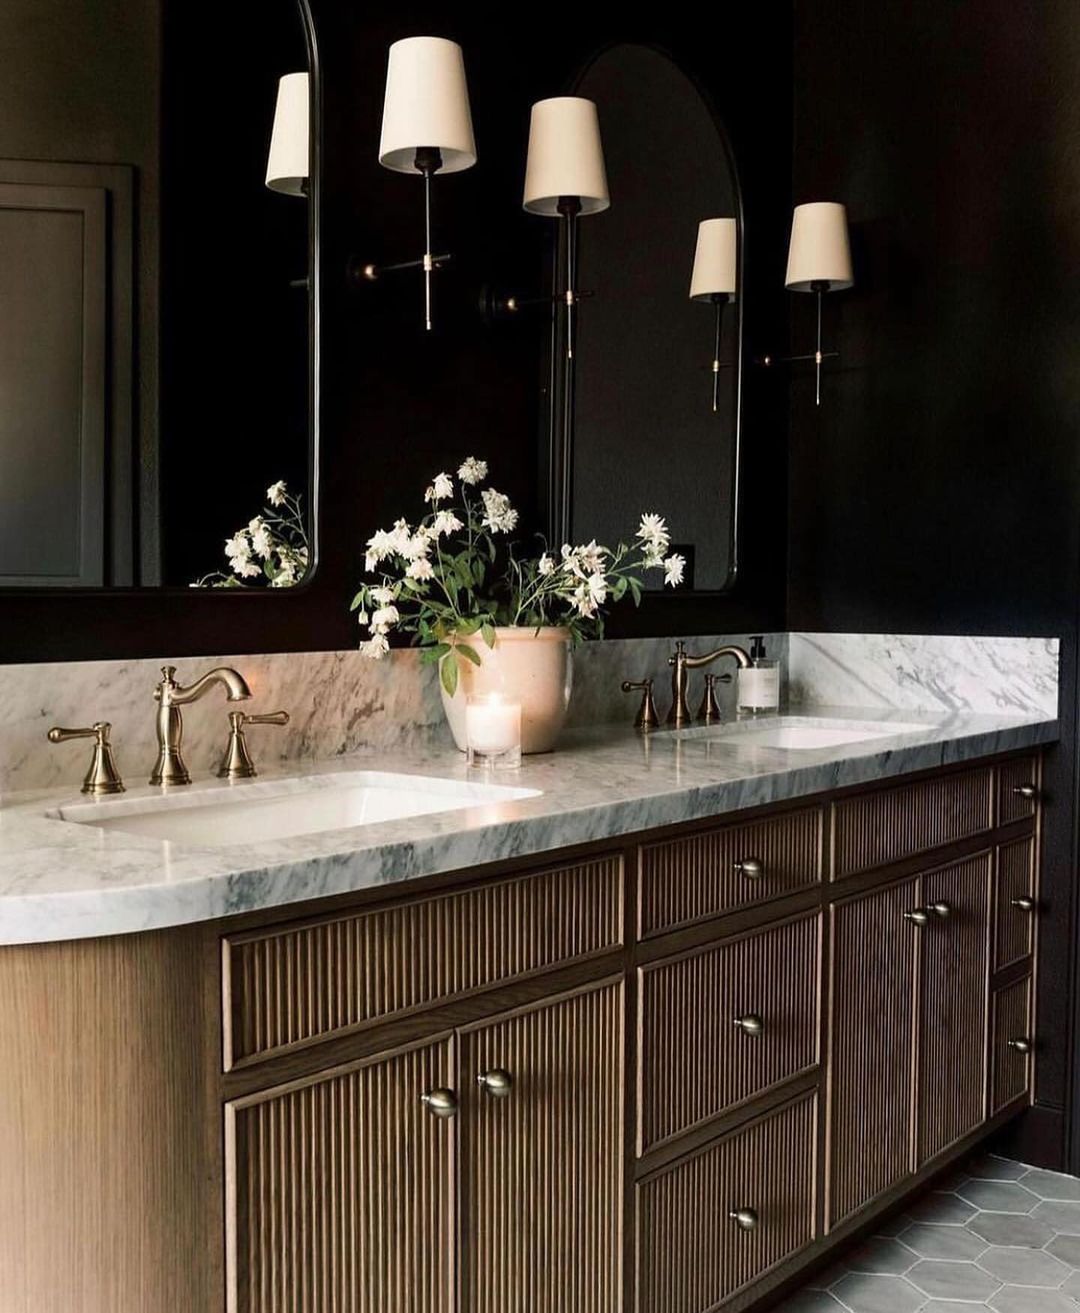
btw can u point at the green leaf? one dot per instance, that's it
(487, 633)
(619, 589)
(466, 628)
(463, 650)
(358, 600)
(429, 655)
(635, 588)
(448, 673)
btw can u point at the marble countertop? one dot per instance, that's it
(60, 880)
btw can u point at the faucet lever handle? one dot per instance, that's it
(237, 763)
(646, 717)
(102, 777)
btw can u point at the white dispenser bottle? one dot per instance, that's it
(758, 691)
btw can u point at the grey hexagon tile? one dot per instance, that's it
(1017, 1299)
(810, 1301)
(953, 1242)
(992, 1168)
(953, 1280)
(882, 1254)
(943, 1208)
(1024, 1267)
(1010, 1229)
(1052, 1185)
(1072, 1287)
(998, 1196)
(1061, 1217)
(1067, 1248)
(953, 1306)
(862, 1293)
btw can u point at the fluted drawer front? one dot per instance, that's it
(297, 985)
(713, 872)
(1016, 903)
(340, 1192)
(1012, 1031)
(695, 1061)
(1018, 785)
(692, 1256)
(873, 829)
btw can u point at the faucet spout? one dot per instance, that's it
(170, 697)
(681, 663)
(235, 685)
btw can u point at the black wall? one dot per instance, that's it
(937, 490)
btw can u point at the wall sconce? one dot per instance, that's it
(426, 127)
(713, 280)
(819, 260)
(287, 167)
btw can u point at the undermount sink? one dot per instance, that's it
(800, 734)
(286, 809)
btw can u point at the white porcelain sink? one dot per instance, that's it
(262, 811)
(796, 733)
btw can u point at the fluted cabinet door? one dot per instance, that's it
(340, 1191)
(541, 1163)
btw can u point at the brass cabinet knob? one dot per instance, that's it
(941, 910)
(440, 1102)
(1019, 1045)
(1025, 903)
(750, 1024)
(746, 1219)
(496, 1082)
(924, 915)
(751, 868)
(1025, 791)
(918, 916)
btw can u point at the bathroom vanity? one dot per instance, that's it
(654, 1046)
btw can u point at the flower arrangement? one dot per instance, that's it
(272, 550)
(456, 573)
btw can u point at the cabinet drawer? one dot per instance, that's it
(692, 1255)
(874, 829)
(1012, 1066)
(1016, 905)
(717, 871)
(695, 1062)
(298, 984)
(1017, 791)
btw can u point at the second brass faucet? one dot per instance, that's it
(170, 697)
(681, 662)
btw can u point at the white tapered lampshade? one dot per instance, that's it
(566, 157)
(715, 260)
(819, 250)
(287, 164)
(426, 105)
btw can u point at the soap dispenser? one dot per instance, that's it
(758, 691)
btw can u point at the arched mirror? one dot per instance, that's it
(649, 432)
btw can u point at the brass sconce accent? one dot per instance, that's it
(713, 281)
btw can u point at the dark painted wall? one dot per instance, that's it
(937, 490)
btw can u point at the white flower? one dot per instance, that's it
(398, 537)
(361, 617)
(546, 565)
(442, 487)
(591, 557)
(417, 546)
(384, 596)
(379, 546)
(472, 470)
(445, 522)
(597, 586)
(655, 540)
(238, 551)
(286, 575)
(421, 568)
(583, 600)
(384, 618)
(673, 570)
(652, 558)
(499, 515)
(275, 494)
(261, 542)
(376, 647)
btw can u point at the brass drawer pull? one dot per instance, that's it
(496, 1082)
(440, 1102)
(1025, 903)
(923, 915)
(1019, 1045)
(746, 1219)
(1028, 791)
(941, 910)
(752, 868)
(750, 1024)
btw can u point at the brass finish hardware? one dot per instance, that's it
(918, 916)
(681, 663)
(170, 697)
(941, 910)
(440, 1102)
(1019, 1045)
(237, 763)
(646, 717)
(1025, 903)
(496, 1082)
(746, 1219)
(709, 711)
(751, 1025)
(923, 915)
(751, 868)
(1025, 791)
(102, 777)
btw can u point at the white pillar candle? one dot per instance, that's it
(492, 725)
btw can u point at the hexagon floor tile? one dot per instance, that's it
(998, 1237)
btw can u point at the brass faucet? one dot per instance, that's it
(681, 662)
(170, 697)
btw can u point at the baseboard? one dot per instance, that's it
(1037, 1137)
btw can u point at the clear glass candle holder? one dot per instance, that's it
(492, 732)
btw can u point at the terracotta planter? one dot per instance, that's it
(530, 666)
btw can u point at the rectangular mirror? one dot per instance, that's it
(157, 295)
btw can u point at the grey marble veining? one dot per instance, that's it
(925, 672)
(60, 880)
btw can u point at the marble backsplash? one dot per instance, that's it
(340, 702)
